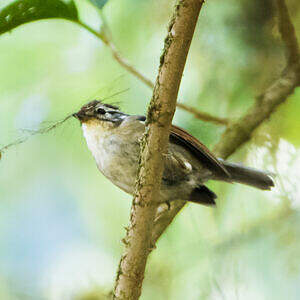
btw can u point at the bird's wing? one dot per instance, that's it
(183, 138)
(201, 152)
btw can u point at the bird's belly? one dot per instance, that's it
(119, 171)
(119, 163)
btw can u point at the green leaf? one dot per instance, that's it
(99, 3)
(23, 11)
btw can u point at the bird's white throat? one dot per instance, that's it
(109, 151)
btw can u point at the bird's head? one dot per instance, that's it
(96, 111)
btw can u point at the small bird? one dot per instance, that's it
(113, 138)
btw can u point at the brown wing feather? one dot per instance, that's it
(181, 137)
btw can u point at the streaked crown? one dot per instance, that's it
(101, 111)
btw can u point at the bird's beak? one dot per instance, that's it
(81, 116)
(76, 115)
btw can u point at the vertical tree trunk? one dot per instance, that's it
(154, 145)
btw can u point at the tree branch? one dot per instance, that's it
(288, 35)
(105, 37)
(204, 116)
(155, 141)
(240, 132)
(164, 219)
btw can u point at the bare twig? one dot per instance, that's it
(106, 37)
(288, 35)
(125, 63)
(43, 130)
(154, 144)
(203, 116)
(240, 132)
(164, 219)
(108, 40)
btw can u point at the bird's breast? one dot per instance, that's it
(116, 157)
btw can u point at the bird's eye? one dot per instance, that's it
(100, 111)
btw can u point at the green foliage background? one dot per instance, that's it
(61, 221)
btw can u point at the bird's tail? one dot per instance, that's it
(259, 179)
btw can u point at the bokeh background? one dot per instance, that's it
(61, 221)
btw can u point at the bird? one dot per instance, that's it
(113, 137)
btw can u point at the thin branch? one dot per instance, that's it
(288, 35)
(108, 40)
(106, 37)
(155, 141)
(103, 36)
(31, 133)
(203, 116)
(240, 132)
(130, 68)
(164, 219)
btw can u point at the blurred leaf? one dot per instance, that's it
(24, 11)
(99, 3)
